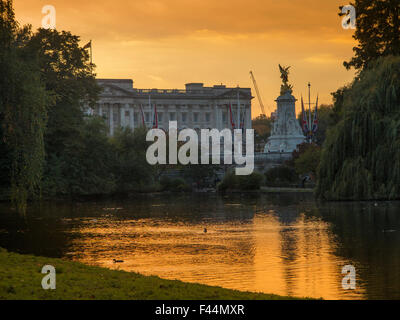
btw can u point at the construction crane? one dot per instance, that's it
(257, 92)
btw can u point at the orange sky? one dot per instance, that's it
(167, 43)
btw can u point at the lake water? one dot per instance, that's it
(285, 244)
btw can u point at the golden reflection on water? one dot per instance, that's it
(289, 254)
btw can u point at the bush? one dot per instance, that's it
(250, 182)
(308, 160)
(281, 174)
(234, 182)
(174, 185)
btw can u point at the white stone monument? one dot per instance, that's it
(286, 132)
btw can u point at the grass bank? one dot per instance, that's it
(20, 278)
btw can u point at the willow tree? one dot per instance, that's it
(361, 155)
(23, 111)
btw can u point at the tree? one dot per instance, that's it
(132, 171)
(67, 72)
(281, 175)
(232, 181)
(23, 111)
(361, 156)
(377, 33)
(262, 126)
(308, 161)
(89, 170)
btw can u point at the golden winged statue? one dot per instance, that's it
(285, 87)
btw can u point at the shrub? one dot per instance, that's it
(281, 174)
(234, 182)
(174, 185)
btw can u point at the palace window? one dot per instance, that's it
(208, 117)
(195, 117)
(184, 117)
(160, 116)
(172, 116)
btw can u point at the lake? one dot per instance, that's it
(286, 244)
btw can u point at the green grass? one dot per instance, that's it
(20, 278)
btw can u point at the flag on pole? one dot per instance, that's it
(155, 118)
(231, 117)
(238, 108)
(242, 119)
(141, 111)
(88, 45)
(315, 118)
(304, 124)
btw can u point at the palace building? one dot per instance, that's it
(195, 107)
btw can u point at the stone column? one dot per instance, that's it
(190, 116)
(216, 123)
(131, 116)
(122, 115)
(111, 112)
(248, 117)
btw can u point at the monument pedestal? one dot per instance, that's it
(286, 132)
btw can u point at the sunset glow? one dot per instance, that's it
(165, 44)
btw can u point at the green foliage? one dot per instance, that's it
(23, 111)
(201, 174)
(361, 156)
(131, 168)
(281, 175)
(174, 185)
(262, 126)
(307, 162)
(67, 72)
(232, 181)
(85, 169)
(377, 33)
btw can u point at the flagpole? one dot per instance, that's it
(309, 110)
(91, 57)
(238, 109)
(152, 115)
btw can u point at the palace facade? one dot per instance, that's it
(196, 107)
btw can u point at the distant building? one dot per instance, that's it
(195, 107)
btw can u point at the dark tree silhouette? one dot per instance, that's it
(377, 31)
